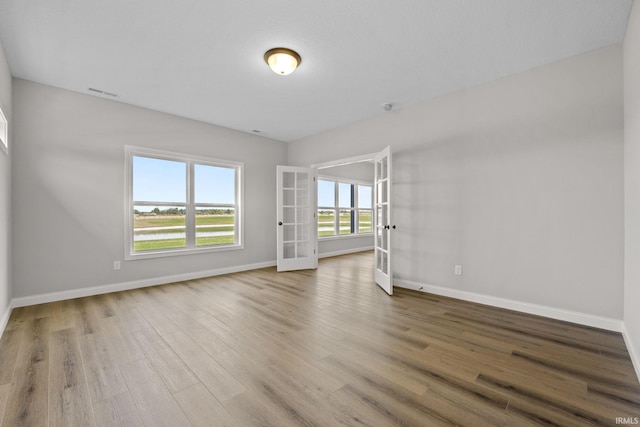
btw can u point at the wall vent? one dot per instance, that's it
(102, 92)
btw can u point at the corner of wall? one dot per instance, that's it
(4, 319)
(631, 72)
(631, 348)
(6, 292)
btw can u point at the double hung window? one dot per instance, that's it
(344, 208)
(180, 204)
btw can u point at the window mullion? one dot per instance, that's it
(236, 223)
(172, 229)
(352, 222)
(356, 215)
(336, 208)
(190, 208)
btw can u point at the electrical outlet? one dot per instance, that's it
(116, 265)
(458, 270)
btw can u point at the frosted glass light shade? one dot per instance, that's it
(282, 61)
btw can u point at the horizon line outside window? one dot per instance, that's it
(344, 208)
(180, 204)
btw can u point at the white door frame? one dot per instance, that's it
(349, 160)
(386, 279)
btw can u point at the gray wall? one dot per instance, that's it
(68, 162)
(632, 184)
(5, 192)
(519, 180)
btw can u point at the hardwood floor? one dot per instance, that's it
(310, 348)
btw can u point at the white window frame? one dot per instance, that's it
(4, 132)
(336, 208)
(190, 205)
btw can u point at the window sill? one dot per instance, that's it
(179, 252)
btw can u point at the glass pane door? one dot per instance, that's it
(382, 220)
(297, 238)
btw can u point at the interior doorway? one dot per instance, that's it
(334, 180)
(378, 166)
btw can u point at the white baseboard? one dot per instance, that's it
(5, 317)
(633, 351)
(124, 286)
(344, 252)
(551, 312)
(540, 310)
(103, 289)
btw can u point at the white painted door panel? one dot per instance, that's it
(297, 237)
(382, 220)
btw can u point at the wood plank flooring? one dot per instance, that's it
(309, 348)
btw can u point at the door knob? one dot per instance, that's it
(280, 223)
(394, 226)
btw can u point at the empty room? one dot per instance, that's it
(330, 213)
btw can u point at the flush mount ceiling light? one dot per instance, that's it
(282, 61)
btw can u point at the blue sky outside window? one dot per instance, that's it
(214, 184)
(158, 180)
(326, 193)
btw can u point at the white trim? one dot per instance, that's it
(345, 180)
(171, 252)
(349, 160)
(309, 223)
(383, 211)
(5, 317)
(189, 204)
(631, 349)
(345, 252)
(104, 289)
(607, 323)
(336, 208)
(575, 317)
(4, 132)
(345, 236)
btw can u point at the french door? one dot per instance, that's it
(382, 220)
(297, 236)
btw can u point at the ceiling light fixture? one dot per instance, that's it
(282, 61)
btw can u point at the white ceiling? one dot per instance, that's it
(203, 59)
